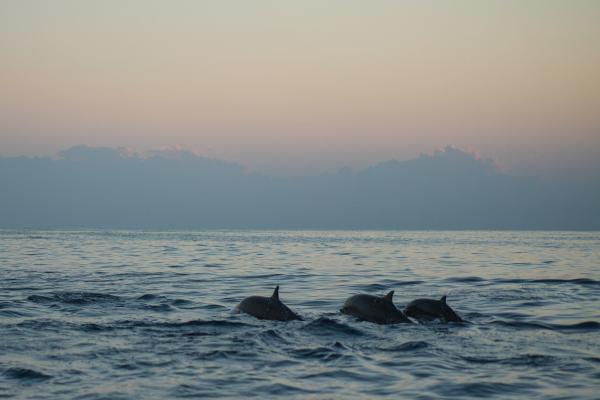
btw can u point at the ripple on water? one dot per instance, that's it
(327, 326)
(25, 374)
(530, 360)
(483, 389)
(586, 326)
(465, 279)
(149, 315)
(324, 354)
(407, 346)
(77, 298)
(578, 281)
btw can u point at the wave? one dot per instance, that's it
(181, 302)
(270, 336)
(322, 353)
(179, 324)
(328, 326)
(150, 297)
(217, 354)
(371, 287)
(530, 360)
(9, 313)
(161, 303)
(385, 285)
(92, 327)
(25, 374)
(407, 346)
(406, 283)
(586, 326)
(42, 324)
(344, 374)
(465, 279)
(79, 298)
(58, 325)
(533, 360)
(576, 281)
(45, 324)
(278, 389)
(158, 307)
(551, 281)
(481, 389)
(20, 288)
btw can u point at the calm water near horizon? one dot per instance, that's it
(124, 315)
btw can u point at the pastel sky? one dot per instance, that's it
(306, 86)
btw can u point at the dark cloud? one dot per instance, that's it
(99, 187)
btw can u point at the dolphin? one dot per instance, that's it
(270, 308)
(380, 310)
(430, 309)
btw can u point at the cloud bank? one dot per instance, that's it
(101, 187)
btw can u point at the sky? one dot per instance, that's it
(307, 86)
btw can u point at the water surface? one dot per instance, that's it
(120, 315)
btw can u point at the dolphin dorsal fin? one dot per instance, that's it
(275, 295)
(443, 301)
(389, 297)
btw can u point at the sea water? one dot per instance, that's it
(124, 315)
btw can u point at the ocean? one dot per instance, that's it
(150, 315)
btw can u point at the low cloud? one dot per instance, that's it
(175, 188)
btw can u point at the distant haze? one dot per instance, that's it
(296, 88)
(87, 187)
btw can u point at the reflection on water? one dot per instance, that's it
(149, 314)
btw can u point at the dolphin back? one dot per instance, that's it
(430, 309)
(380, 310)
(268, 308)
